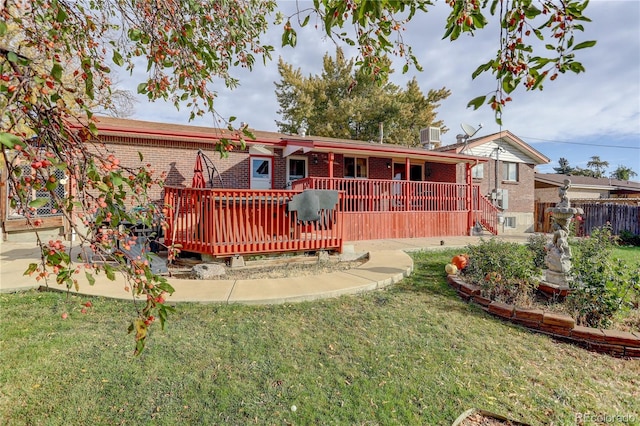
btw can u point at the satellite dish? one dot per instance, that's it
(470, 130)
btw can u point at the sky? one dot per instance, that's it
(577, 116)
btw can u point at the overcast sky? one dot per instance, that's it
(575, 117)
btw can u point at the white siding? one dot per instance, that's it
(510, 154)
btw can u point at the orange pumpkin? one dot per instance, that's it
(460, 261)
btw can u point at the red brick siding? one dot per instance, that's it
(521, 193)
(378, 168)
(445, 173)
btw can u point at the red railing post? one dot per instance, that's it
(469, 200)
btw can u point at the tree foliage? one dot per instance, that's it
(563, 167)
(343, 102)
(623, 173)
(56, 60)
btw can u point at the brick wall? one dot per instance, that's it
(445, 173)
(378, 168)
(521, 193)
(177, 159)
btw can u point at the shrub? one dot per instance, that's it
(628, 238)
(505, 271)
(536, 243)
(602, 285)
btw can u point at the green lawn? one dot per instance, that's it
(629, 254)
(411, 355)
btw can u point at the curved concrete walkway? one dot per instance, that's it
(388, 263)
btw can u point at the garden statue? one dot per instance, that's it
(558, 259)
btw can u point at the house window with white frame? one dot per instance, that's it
(355, 167)
(296, 168)
(510, 171)
(477, 171)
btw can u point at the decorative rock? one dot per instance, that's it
(323, 256)
(206, 271)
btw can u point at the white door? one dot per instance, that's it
(261, 173)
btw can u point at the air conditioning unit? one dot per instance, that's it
(430, 137)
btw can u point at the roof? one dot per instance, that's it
(506, 137)
(587, 182)
(179, 132)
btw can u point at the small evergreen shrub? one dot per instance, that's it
(505, 271)
(602, 285)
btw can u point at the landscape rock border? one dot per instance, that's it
(562, 327)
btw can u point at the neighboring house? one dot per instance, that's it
(433, 193)
(508, 176)
(583, 188)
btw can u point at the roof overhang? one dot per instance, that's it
(124, 128)
(381, 150)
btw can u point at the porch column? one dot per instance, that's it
(330, 165)
(407, 173)
(469, 198)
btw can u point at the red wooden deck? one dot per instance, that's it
(222, 222)
(235, 222)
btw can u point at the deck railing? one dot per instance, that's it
(417, 209)
(372, 195)
(484, 212)
(223, 222)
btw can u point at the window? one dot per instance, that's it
(260, 168)
(510, 222)
(49, 208)
(477, 171)
(510, 171)
(355, 167)
(296, 168)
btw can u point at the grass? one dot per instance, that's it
(411, 355)
(629, 254)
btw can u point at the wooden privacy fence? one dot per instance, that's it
(621, 217)
(231, 222)
(379, 209)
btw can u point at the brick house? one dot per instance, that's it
(399, 191)
(507, 178)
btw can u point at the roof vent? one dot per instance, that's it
(430, 137)
(302, 131)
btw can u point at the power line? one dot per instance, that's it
(581, 143)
